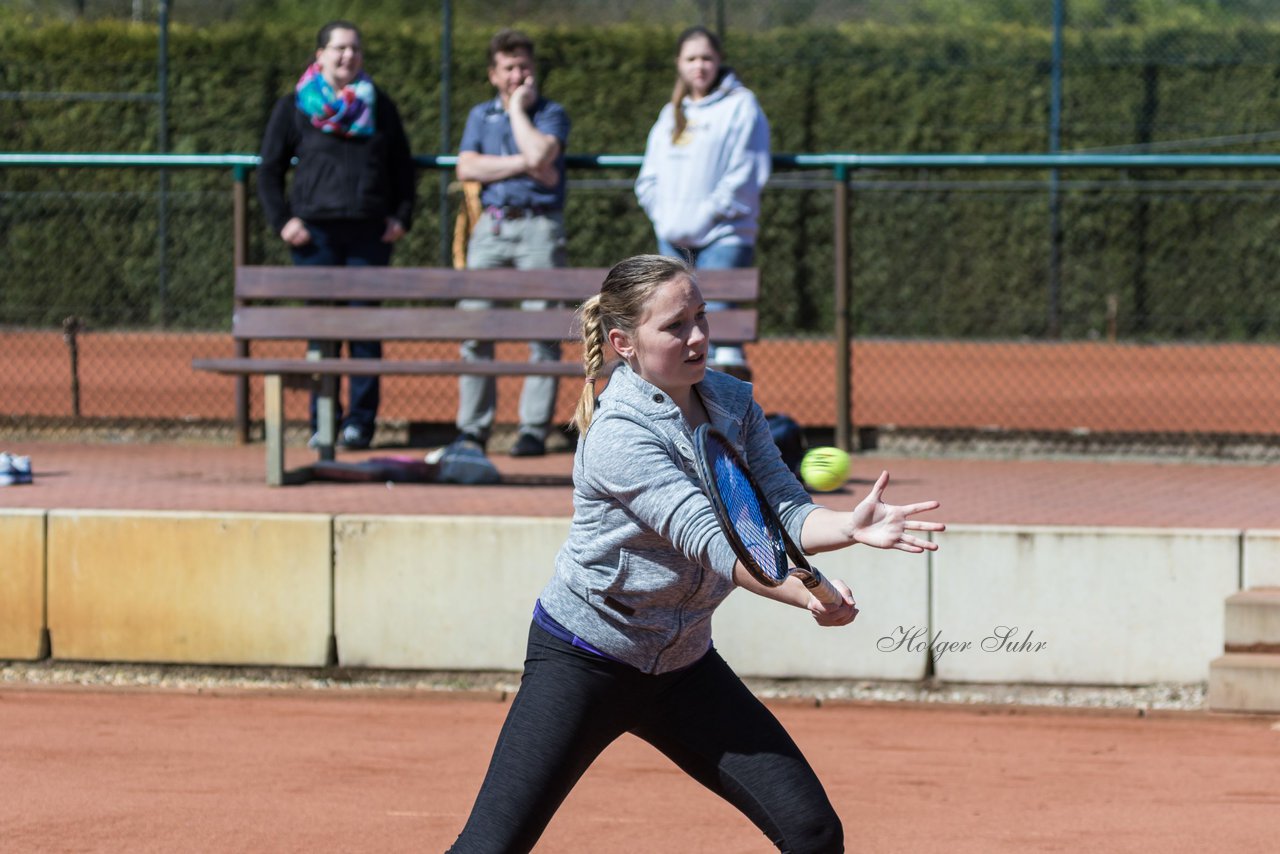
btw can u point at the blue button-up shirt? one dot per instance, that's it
(488, 131)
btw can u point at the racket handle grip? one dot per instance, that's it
(822, 588)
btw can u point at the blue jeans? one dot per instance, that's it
(350, 243)
(716, 256)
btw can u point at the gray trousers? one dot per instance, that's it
(530, 243)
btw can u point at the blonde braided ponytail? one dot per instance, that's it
(592, 361)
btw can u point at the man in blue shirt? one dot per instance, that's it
(514, 146)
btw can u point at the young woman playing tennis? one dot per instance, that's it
(621, 635)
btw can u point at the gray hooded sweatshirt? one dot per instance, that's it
(646, 564)
(705, 187)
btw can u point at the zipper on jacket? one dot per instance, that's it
(680, 613)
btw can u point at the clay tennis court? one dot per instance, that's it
(329, 770)
(332, 770)
(145, 771)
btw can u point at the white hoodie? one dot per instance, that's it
(706, 186)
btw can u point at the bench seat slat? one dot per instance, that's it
(332, 323)
(343, 323)
(567, 284)
(383, 367)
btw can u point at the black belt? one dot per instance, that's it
(515, 212)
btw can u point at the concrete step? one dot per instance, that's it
(1245, 682)
(1253, 621)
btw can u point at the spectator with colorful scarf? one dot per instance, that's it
(353, 187)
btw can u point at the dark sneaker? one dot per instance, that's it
(528, 445)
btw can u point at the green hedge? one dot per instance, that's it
(955, 254)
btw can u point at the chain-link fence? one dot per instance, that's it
(1130, 308)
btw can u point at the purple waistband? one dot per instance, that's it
(549, 625)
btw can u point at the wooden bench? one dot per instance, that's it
(416, 304)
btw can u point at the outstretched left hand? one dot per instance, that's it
(888, 526)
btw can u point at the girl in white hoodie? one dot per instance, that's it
(705, 162)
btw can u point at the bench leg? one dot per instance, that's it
(326, 396)
(273, 392)
(326, 416)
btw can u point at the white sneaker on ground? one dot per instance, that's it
(353, 437)
(463, 461)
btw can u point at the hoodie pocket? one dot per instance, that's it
(644, 588)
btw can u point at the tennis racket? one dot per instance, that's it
(753, 529)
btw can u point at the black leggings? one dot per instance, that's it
(572, 704)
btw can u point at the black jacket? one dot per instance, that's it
(337, 177)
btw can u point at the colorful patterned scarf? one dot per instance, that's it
(345, 113)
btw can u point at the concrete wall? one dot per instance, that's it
(762, 638)
(214, 588)
(442, 592)
(21, 583)
(1080, 605)
(457, 592)
(1261, 559)
(1100, 605)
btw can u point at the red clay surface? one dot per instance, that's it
(145, 771)
(142, 771)
(1091, 386)
(979, 491)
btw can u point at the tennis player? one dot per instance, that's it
(621, 636)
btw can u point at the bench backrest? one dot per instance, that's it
(418, 303)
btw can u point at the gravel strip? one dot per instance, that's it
(210, 678)
(1140, 698)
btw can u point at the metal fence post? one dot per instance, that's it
(71, 327)
(446, 129)
(162, 141)
(843, 330)
(1053, 322)
(240, 254)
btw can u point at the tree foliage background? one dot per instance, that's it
(1185, 256)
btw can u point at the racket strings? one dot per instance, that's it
(752, 526)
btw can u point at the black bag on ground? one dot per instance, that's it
(789, 438)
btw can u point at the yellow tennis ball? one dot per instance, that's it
(824, 469)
